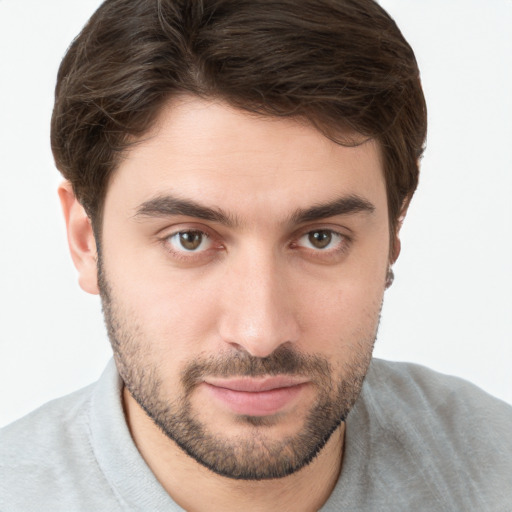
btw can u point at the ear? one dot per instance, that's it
(82, 244)
(397, 244)
(397, 247)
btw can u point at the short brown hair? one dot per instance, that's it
(340, 64)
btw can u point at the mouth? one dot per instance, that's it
(256, 396)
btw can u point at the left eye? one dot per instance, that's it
(321, 239)
(190, 241)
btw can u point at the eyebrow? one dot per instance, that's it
(168, 206)
(345, 205)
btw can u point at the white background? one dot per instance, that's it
(450, 307)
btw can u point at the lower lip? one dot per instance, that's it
(261, 403)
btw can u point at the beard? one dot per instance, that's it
(255, 455)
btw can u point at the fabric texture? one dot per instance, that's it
(415, 440)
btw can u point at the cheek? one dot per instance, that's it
(343, 311)
(170, 310)
(343, 317)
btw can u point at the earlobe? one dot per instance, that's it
(81, 241)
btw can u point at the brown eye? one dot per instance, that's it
(320, 239)
(191, 240)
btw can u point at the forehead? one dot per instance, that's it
(208, 151)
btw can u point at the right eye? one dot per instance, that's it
(191, 241)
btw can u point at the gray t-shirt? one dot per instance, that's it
(415, 441)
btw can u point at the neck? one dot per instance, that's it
(195, 488)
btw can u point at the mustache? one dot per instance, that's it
(283, 361)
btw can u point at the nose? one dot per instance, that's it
(257, 313)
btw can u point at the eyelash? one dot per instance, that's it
(185, 255)
(326, 254)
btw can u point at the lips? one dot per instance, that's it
(256, 396)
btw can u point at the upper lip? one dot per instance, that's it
(256, 384)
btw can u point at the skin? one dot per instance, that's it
(256, 286)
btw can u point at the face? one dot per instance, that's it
(242, 272)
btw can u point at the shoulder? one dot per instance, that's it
(444, 437)
(46, 455)
(417, 391)
(44, 429)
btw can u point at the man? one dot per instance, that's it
(236, 177)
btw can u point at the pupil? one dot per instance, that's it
(320, 239)
(191, 240)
